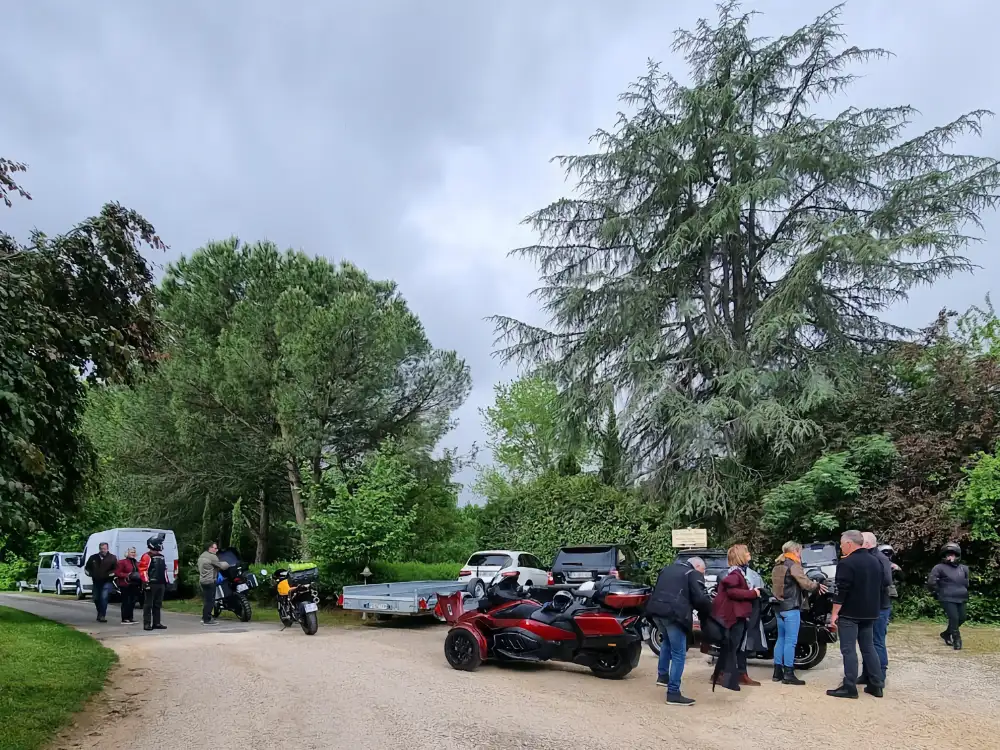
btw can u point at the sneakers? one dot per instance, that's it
(128, 622)
(872, 690)
(661, 681)
(676, 699)
(159, 627)
(102, 619)
(216, 622)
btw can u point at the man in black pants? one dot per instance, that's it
(860, 580)
(153, 572)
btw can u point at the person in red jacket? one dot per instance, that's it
(128, 580)
(732, 607)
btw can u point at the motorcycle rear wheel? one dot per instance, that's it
(807, 657)
(309, 623)
(616, 664)
(653, 636)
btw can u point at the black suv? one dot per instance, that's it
(716, 564)
(592, 562)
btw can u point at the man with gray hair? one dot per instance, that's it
(856, 608)
(680, 589)
(885, 611)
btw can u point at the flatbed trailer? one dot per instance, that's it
(409, 599)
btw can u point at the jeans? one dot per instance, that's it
(207, 601)
(152, 604)
(956, 616)
(673, 654)
(788, 638)
(101, 591)
(855, 633)
(881, 629)
(129, 596)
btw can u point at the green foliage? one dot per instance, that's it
(75, 309)
(821, 500)
(552, 511)
(977, 501)
(527, 430)
(358, 519)
(47, 673)
(391, 572)
(730, 255)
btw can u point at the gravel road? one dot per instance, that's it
(390, 687)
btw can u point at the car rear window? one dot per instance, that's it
(586, 557)
(488, 561)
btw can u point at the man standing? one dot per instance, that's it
(209, 566)
(153, 572)
(101, 569)
(680, 588)
(885, 609)
(858, 602)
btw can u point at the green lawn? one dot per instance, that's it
(47, 672)
(263, 613)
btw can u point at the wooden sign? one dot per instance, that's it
(689, 538)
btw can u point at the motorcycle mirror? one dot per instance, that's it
(263, 571)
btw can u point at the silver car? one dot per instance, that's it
(61, 572)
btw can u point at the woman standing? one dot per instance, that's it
(733, 607)
(127, 578)
(949, 582)
(791, 587)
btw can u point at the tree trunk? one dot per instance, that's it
(205, 510)
(263, 526)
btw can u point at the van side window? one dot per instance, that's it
(45, 562)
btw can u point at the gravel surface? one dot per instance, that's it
(390, 687)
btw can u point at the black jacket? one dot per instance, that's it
(101, 569)
(679, 590)
(889, 589)
(861, 581)
(950, 582)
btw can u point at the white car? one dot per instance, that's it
(490, 565)
(59, 571)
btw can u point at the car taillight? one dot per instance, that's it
(464, 573)
(509, 574)
(177, 567)
(423, 605)
(551, 581)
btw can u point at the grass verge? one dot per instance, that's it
(47, 672)
(262, 613)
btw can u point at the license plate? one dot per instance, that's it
(577, 576)
(242, 587)
(309, 607)
(383, 607)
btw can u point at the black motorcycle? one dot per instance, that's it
(297, 597)
(815, 633)
(232, 586)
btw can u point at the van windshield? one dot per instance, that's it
(74, 561)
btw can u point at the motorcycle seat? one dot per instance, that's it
(550, 616)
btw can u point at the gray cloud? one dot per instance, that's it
(407, 137)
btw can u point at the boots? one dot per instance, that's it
(946, 637)
(956, 642)
(789, 678)
(779, 673)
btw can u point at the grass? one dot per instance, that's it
(47, 672)
(976, 639)
(262, 613)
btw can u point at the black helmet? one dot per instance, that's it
(951, 549)
(156, 542)
(887, 550)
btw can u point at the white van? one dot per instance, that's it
(59, 571)
(119, 540)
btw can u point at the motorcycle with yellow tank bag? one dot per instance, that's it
(297, 597)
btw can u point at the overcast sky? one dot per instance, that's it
(408, 137)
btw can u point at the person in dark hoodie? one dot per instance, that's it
(949, 582)
(679, 590)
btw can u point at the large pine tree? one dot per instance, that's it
(730, 252)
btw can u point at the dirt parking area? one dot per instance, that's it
(390, 687)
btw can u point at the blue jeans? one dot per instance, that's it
(673, 653)
(101, 592)
(788, 638)
(881, 628)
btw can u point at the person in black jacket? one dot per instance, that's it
(858, 600)
(949, 582)
(679, 590)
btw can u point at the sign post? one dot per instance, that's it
(688, 538)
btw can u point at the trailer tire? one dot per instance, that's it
(476, 587)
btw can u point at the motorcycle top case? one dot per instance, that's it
(303, 576)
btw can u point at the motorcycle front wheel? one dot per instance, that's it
(242, 608)
(309, 623)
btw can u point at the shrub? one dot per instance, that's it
(394, 572)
